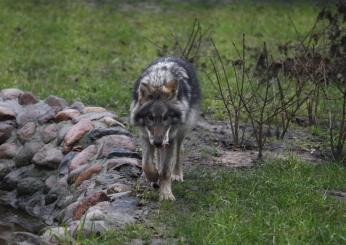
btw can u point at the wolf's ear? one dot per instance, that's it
(143, 92)
(170, 88)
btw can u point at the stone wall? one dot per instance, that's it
(66, 164)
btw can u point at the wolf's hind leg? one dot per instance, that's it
(177, 174)
(149, 168)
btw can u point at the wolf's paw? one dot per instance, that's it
(177, 177)
(167, 196)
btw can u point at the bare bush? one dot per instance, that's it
(320, 59)
(230, 92)
(190, 46)
(256, 94)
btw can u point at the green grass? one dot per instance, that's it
(94, 50)
(283, 202)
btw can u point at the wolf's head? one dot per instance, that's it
(158, 112)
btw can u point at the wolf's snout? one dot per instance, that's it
(158, 143)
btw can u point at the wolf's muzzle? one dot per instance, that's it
(157, 143)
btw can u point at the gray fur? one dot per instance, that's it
(165, 107)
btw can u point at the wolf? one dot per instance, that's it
(165, 107)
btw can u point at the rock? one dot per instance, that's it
(119, 195)
(26, 132)
(67, 114)
(25, 154)
(56, 103)
(85, 141)
(50, 132)
(66, 215)
(93, 116)
(64, 128)
(119, 212)
(90, 227)
(56, 235)
(97, 133)
(5, 167)
(25, 117)
(27, 98)
(65, 163)
(110, 142)
(88, 173)
(76, 132)
(50, 182)
(129, 170)
(94, 215)
(13, 105)
(11, 179)
(7, 150)
(88, 202)
(75, 173)
(106, 179)
(64, 202)
(29, 185)
(56, 192)
(10, 93)
(26, 238)
(116, 163)
(122, 152)
(6, 129)
(77, 105)
(118, 188)
(6, 113)
(110, 122)
(83, 157)
(89, 109)
(48, 157)
(40, 112)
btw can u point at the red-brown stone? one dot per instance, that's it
(88, 173)
(76, 132)
(27, 98)
(66, 115)
(83, 157)
(88, 202)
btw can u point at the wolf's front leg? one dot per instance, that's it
(177, 174)
(148, 164)
(165, 172)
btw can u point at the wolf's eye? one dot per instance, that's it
(150, 117)
(175, 119)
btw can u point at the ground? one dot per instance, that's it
(93, 50)
(297, 198)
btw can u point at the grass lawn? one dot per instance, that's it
(93, 50)
(283, 202)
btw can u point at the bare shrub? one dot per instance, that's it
(190, 46)
(256, 94)
(320, 59)
(230, 91)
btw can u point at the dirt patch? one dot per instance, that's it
(237, 159)
(210, 144)
(339, 195)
